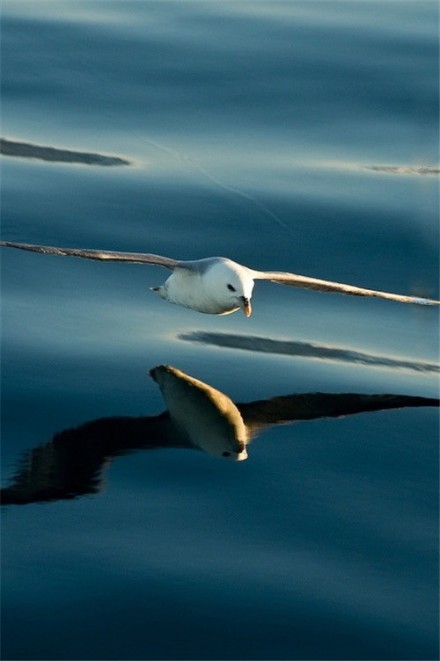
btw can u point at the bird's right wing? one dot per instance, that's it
(105, 255)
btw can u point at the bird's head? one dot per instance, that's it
(230, 284)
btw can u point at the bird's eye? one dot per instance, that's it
(226, 454)
(231, 288)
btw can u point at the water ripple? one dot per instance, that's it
(403, 169)
(53, 154)
(304, 350)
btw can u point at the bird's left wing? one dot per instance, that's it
(106, 255)
(294, 280)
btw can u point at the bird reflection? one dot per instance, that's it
(197, 417)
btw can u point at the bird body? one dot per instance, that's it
(216, 285)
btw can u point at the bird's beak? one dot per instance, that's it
(245, 305)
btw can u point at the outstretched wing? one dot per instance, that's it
(294, 280)
(309, 406)
(106, 255)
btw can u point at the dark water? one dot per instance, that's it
(296, 136)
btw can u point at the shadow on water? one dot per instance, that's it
(303, 350)
(197, 417)
(55, 155)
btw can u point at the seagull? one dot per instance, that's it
(197, 417)
(215, 285)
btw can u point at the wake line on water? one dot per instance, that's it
(176, 154)
(187, 160)
(229, 189)
(225, 187)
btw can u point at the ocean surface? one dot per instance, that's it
(298, 136)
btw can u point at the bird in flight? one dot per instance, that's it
(215, 285)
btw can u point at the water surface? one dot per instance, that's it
(299, 136)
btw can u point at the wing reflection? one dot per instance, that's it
(198, 417)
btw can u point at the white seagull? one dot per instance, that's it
(215, 285)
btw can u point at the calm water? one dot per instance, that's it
(296, 136)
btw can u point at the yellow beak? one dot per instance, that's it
(246, 306)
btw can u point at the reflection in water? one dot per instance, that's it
(28, 150)
(198, 416)
(206, 417)
(303, 350)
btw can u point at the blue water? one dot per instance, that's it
(299, 136)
